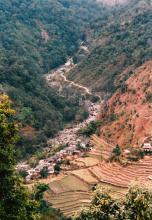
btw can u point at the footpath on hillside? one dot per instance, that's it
(57, 79)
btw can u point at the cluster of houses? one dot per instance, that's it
(34, 173)
(67, 136)
(59, 157)
(49, 163)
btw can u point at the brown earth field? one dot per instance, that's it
(74, 190)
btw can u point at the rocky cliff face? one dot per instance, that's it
(127, 115)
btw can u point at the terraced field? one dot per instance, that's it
(86, 162)
(70, 203)
(101, 150)
(69, 194)
(74, 191)
(116, 175)
(68, 183)
(85, 175)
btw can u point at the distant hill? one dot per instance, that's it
(121, 45)
(119, 66)
(35, 37)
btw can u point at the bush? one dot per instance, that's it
(92, 128)
(117, 150)
(23, 173)
(135, 206)
(149, 97)
(44, 172)
(57, 169)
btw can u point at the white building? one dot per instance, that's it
(147, 147)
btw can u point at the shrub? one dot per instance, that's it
(57, 169)
(44, 172)
(92, 128)
(135, 206)
(23, 173)
(117, 150)
(149, 97)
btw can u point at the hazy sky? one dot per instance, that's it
(112, 2)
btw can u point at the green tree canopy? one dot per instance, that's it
(15, 201)
(137, 205)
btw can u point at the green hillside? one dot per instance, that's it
(35, 37)
(122, 45)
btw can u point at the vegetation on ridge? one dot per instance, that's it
(37, 36)
(121, 46)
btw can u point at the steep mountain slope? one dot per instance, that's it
(36, 36)
(122, 45)
(127, 115)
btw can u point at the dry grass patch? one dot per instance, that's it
(88, 161)
(85, 175)
(70, 202)
(68, 183)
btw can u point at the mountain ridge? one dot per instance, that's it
(123, 44)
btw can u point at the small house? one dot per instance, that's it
(51, 169)
(28, 178)
(147, 147)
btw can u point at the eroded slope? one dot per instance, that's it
(127, 115)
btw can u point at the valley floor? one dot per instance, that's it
(72, 189)
(58, 81)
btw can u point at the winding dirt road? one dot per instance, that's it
(58, 77)
(87, 91)
(61, 71)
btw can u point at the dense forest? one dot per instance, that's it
(35, 37)
(119, 47)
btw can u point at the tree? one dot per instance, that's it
(57, 169)
(91, 128)
(103, 207)
(23, 173)
(137, 205)
(116, 151)
(44, 172)
(38, 193)
(15, 201)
